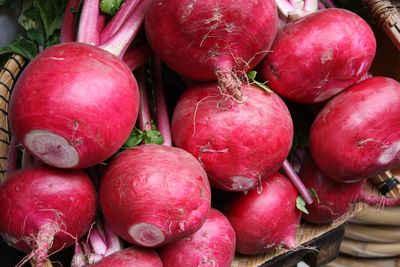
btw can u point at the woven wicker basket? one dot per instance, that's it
(386, 14)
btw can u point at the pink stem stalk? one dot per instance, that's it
(329, 3)
(68, 27)
(161, 105)
(284, 7)
(101, 23)
(97, 243)
(121, 40)
(137, 56)
(114, 243)
(89, 23)
(321, 5)
(310, 6)
(12, 157)
(78, 259)
(144, 118)
(27, 159)
(117, 20)
(295, 179)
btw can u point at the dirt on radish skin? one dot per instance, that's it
(74, 105)
(212, 245)
(152, 195)
(210, 40)
(238, 143)
(335, 199)
(356, 135)
(265, 219)
(318, 56)
(44, 210)
(131, 257)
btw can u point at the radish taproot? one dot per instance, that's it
(356, 135)
(210, 40)
(319, 55)
(212, 245)
(75, 104)
(334, 199)
(44, 210)
(131, 257)
(238, 143)
(267, 218)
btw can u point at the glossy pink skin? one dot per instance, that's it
(33, 197)
(160, 185)
(318, 56)
(131, 257)
(232, 139)
(356, 136)
(80, 92)
(196, 37)
(213, 245)
(265, 220)
(334, 199)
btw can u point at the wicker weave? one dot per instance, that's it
(386, 14)
(8, 75)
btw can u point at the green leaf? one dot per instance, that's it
(135, 138)
(51, 13)
(252, 74)
(22, 46)
(153, 137)
(31, 21)
(110, 7)
(314, 194)
(252, 78)
(301, 204)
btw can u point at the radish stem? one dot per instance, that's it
(295, 179)
(136, 56)
(12, 157)
(284, 7)
(144, 118)
(114, 244)
(310, 6)
(89, 22)
(78, 259)
(161, 106)
(68, 27)
(119, 43)
(118, 19)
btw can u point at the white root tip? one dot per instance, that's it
(52, 149)
(147, 235)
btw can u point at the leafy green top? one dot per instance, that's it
(110, 7)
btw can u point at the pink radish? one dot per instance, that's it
(212, 245)
(152, 195)
(44, 210)
(320, 55)
(335, 199)
(238, 143)
(265, 219)
(356, 136)
(76, 104)
(131, 257)
(210, 40)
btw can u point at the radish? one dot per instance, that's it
(238, 143)
(319, 55)
(151, 195)
(335, 199)
(163, 193)
(75, 104)
(212, 245)
(131, 257)
(265, 219)
(44, 210)
(356, 136)
(210, 40)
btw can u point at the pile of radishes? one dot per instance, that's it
(88, 180)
